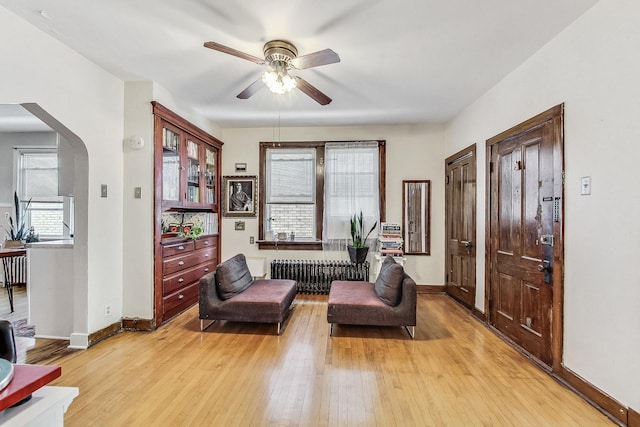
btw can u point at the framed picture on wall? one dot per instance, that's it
(240, 196)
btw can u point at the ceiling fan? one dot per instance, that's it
(280, 56)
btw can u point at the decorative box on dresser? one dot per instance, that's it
(187, 195)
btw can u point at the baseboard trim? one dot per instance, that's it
(633, 418)
(480, 315)
(137, 324)
(104, 333)
(430, 289)
(597, 397)
(79, 341)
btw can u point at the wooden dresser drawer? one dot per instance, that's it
(188, 260)
(204, 255)
(177, 248)
(186, 277)
(207, 242)
(180, 301)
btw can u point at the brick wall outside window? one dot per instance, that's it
(296, 218)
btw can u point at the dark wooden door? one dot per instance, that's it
(525, 192)
(460, 202)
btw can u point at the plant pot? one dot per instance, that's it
(13, 244)
(357, 255)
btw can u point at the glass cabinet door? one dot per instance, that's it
(210, 176)
(170, 165)
(193, 171)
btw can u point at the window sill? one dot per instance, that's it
(311, 245)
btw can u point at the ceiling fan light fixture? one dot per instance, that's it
(277, 78)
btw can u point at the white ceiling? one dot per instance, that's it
(402, 61)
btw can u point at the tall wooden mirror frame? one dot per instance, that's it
(416, 216)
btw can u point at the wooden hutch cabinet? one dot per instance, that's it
(187, 194)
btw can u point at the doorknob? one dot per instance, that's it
(547, 269)
(467, 243)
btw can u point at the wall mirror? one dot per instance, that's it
(416, 207)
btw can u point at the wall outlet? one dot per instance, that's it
(107, 310)
(137, 192)
(251, 240)
(103, 190)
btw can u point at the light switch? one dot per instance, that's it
(103, 190)
(137, 192)
(585, 185)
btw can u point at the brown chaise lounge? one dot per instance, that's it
(391, 301)
(230, 293)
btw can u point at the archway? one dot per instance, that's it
(75, 168)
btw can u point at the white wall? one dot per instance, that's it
(592, 67)
(137, 251)
(89, 101)
(413, 152)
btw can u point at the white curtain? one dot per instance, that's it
(351, 185)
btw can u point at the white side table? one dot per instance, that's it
(46, 408)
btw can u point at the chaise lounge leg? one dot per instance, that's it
(411, 332)
(278, 328)
(330, 329)
(202, 324)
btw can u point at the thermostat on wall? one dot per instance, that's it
(135, 142)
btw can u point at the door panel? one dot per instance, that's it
(460, 201)
(506, 297)
(521, 255)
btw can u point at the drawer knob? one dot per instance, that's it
(206, 243)
(181, 247)
(206, 255)
(206, 269)
(180, 296)
(181, 263)
(180, 280)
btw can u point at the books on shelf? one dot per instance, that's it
(170, 139)
(192, 150)
(390, 240)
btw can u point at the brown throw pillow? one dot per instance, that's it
(388, 285)
(233, 277)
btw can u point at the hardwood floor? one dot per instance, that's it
(456, 372)
(19, 304)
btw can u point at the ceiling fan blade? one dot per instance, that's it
(251, 90)
(234, 52)
(312, 91)
(315, 59)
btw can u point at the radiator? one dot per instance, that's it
(15, 270)
(316, 276)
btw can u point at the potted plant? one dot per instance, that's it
(17, 232)
(357, 250)
(191, 232)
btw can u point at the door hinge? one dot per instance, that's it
(446, 181)
(490, 167)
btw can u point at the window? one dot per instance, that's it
(310, 190)
(37, 181)
(290, 194)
